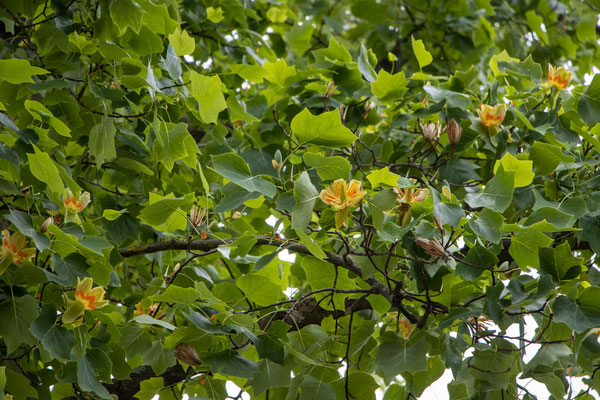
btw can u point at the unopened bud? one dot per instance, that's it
(330, 89)
(454, 130)
(276, 165)
(431, 130)
(431, 247)
(369, 105)
(195, 217)
(446, 192)
(342, 110)
(49, 221)
(186, 353)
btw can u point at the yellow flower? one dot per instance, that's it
(492, 116)
(74, 205)
(86, 298)
(405, 327)
(13, 247)
(406, 198)
(559, 77)
(342, 197)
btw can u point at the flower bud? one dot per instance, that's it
(369, 105)
(49, 221)
(330, 89)
(195, 217)
(431, 130)
(432, 247)
(186, 353)
(342, 110)
(276, 165)
(454, 130)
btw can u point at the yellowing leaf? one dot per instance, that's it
(214, 14)
(182, 42)
(383, 177)
(523, 169)
(423, 56)
(207, 92)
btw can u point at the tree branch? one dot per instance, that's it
(211, 244)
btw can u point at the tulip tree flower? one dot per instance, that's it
(74, 205)
(342, 197)
(405, 328)
(492, 116)
(406, 198)
(13, 250)
(86, 298)
(559, 77)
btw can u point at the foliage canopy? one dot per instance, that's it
(310, 199)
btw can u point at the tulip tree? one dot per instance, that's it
(303, 199)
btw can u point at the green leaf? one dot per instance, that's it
(102, 141)
(522, 169)
(158, 212)
(24, 225)
(544, 219)
(453, 99)
(402, 356)
(124, 13)
(502, 56)
(389, 87)
(17, 314)
(311, 245)
(87, 379)
(312, 388)
(44, 169)
(182, 42)
(559, 262)
(479, 256)
(423, 56)
(535, 23)
(487, 225)
(366, 59)
(445, 213)
(229, 362)
(177, 294)
(417, 383)
(325, 129)
(207, 92)
(305, 195)
(56, 339)
(588, 106)
(493, 366)
(579, 316)
(382, 177)
(150, 388)
(278, 72)
(234, 168)
(498, 193)
(328, 168)
(379, 204)
(524, 248)
(259, 289)
(252, 73)
(590, 225)
(299, 37)
(169, 146)
(547, 157)
(19, 71)
(19, 385)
